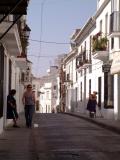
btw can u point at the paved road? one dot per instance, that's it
(63, 137)
(59, 137)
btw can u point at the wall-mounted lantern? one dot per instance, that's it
(26, 32)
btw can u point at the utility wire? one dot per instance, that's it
(41, 31)
(41, 56)
(48, 42)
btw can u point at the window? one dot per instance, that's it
(81, 91)
(68, 77)
(76, 96)
(54, 87)
(47, 95)
(1, 79)
(112, 43)
(85, 45)
(10, 74)
(89, 86)
(22, 76)
(99, 91)
(113, 5)
(119, 6)
(76, 76)
(84, 54)
(101, 25)
(81, 48)
(108, 90)
(119, 42)
(90, 48)
(81, 73)
(106, 24)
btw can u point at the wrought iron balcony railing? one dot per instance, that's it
(83, 58)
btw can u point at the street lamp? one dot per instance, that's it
(28, 69)
(26, 32)
(24, 38)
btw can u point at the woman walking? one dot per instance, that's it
(91, 106)
(28, 100)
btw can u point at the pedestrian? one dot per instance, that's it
(91, 106)
(28, 100)
(95, 95)
(98, 104)
(12, 108)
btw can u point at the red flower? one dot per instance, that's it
(99, 34)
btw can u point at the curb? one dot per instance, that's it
(103, 125)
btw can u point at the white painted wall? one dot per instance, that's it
(99, 3)
(96, 71)
(45, 98)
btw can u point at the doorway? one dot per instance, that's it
(1, 78)
(99, 91)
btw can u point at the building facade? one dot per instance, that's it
(49, 91)
(13, 53)
(93, 62)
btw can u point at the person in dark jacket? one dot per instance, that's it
(12, 108)
(91, 106)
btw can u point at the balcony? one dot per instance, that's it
(68, 81)
(7, 5)
(11, 40)
(101, 55)
(115, 24)
(100, 47)
(83, 60)
(86, 63)
(79, 62)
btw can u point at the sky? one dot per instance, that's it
(54, 21)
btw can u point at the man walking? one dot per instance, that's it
(28, 100)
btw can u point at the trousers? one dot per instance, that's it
(29, 111)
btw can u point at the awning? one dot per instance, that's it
(115, 68)
(7, 5)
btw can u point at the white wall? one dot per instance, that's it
(45, 98)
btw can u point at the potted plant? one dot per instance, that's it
(99, 42)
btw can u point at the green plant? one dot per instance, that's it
(99, 42)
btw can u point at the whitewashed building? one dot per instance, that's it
(12, 54)
(49, 91)
(45, 98)
(93, 63)
(36, 83)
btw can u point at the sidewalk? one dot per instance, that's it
(112, 125)
(16, 143)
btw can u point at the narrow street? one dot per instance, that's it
(65, 67)
(62, 137)
(59, 137)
